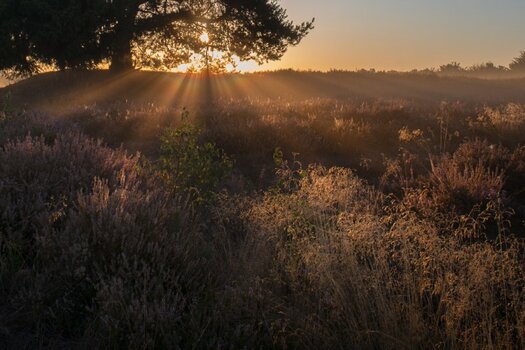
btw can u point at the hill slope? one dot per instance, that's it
(3, 82)
(70, 89)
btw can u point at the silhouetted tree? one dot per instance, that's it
(14, 45)
(451, 68)
(518, 64)
(140, 33)
(488, 67)
(59, 33)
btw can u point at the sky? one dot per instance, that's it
(404, 34)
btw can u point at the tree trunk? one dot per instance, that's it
(121, 59)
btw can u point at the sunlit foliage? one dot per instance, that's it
(155, 34)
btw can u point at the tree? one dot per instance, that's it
(518, 64)
(488, 67)
(57, 33)
(451, 68)
(158, 34)
(13, 41)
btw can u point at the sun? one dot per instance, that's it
(204, 38)
(235, 66)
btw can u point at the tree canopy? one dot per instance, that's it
(157, 34)
(518, 64)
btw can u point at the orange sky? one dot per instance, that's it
(404, 34)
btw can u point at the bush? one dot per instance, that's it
(95, 250)
(336, 265)
(191, 165)
(99, 250)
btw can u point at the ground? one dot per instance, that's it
(276, 210)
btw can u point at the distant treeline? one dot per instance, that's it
(482, 70)
(487, 70)
(516, 67)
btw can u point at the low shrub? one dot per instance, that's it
(103, 249)
(335, 265)
(96, 251)
(188, 164)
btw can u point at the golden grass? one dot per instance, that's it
(409, 234)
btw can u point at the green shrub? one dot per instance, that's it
(191, 165)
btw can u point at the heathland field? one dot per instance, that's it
(271, 210)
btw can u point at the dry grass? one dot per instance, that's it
(339, 267)
(420, 246)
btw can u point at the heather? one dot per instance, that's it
(263, 223)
